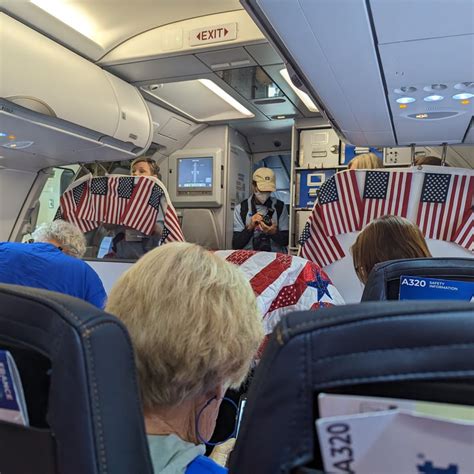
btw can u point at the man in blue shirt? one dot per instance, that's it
(53, 263)
(261, 221)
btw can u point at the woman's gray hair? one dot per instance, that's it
(67, 235)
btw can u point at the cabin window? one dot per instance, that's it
(55, 185)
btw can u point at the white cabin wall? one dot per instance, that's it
(238, 174)
(14, 188)
(210, 137)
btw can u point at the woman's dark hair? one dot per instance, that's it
(387, 238)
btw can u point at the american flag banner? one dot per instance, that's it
(72, 202)
(444, 202)
(283, 283)
(385, 193)
(120, 191)
(464, 236)
(316, 246)
(149, 204)
(340, 203)
(142, 209)
(136, 202)
(171, 228)
(98, 199)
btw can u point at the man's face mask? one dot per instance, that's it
(261, 197)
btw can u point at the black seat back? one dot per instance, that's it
(413, 350)
(77, 366)
(384, 279)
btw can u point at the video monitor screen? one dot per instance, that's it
(195, 173)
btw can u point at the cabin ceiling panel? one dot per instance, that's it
(408, 20)
(227, 58)
(264, 54)
(162, 68)
(103, 25)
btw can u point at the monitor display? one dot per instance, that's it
(195, 173)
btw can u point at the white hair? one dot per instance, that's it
(67, 235)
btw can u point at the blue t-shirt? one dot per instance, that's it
(204, 465)
(42, 265)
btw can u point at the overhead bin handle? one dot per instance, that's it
(412, 154)
(443, 154)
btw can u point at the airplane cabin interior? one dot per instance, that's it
(212, 90)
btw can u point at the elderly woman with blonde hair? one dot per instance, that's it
(195, 327)
(366, 161)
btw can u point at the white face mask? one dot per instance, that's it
(261, 197)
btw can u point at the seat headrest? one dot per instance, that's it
(344, 347)
(94, 409)
(384, 279)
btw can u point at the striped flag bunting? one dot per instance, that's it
(316, 245)
(385, 192)
(340, 203)
(465, 234)
(141, 203)
(444, 203)
(72, 202)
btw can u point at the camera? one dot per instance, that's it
(267, 219)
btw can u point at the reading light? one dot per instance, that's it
(464, 85)
(305, 98)
(11, 137)
(433, 98)
(18, 145)
(403, 106)
(406, 100)
(68, 13)
(3, 134)
(421, 116)
(463, 96)
(405, 90)
(465, 102)
(435, 87)
(212, 86)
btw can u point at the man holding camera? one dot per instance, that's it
(261, 221)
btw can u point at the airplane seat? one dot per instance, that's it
(384, 279)
(368, 349)
(199, 226)
(78, 372)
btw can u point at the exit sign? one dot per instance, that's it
(213, 34)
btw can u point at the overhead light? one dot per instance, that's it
(406, 100)
(155, 87)
(212, 86)
(68, 13)
(463, 96)
(421, 116)
(433, 98)
(19, 145)
(464, 85)
(305, 98)
(435, 87)
(405, 90)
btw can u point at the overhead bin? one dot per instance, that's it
(45, 77)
